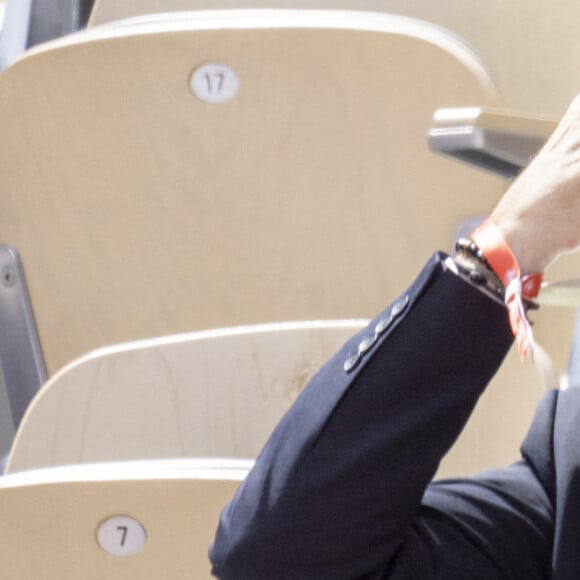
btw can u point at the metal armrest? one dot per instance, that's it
(499, 141)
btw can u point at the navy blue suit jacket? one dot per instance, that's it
(342, 488)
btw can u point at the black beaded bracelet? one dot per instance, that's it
(470, 248)
(488, 278)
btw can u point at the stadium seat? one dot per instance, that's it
(529, 55)
(120, 521)
(207, 394)
(310, 194)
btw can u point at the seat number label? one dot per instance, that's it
(121, 536)
(214, 83)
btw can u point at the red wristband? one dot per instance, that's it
(502, 261)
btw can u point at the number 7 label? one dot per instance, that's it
(121, 536)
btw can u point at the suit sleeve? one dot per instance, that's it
(340, 489)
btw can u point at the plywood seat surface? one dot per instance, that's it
(311, 195)
(206, 394)
(141, 211)
(51, 518)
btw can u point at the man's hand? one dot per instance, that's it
(539, 216)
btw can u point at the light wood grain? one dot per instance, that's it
(141, 211)
(212, 394)
(49, 526)
(529, 50)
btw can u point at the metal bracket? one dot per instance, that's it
(498, 141)
(21, 357)
(31, 22)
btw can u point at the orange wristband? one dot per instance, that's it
(502, 261)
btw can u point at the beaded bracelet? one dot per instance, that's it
(469, 247)
(472, 258)
(479, 274)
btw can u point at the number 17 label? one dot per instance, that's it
(214, 83)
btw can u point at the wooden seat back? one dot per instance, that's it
(120, 521)
(206, 394)
(139, 210)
